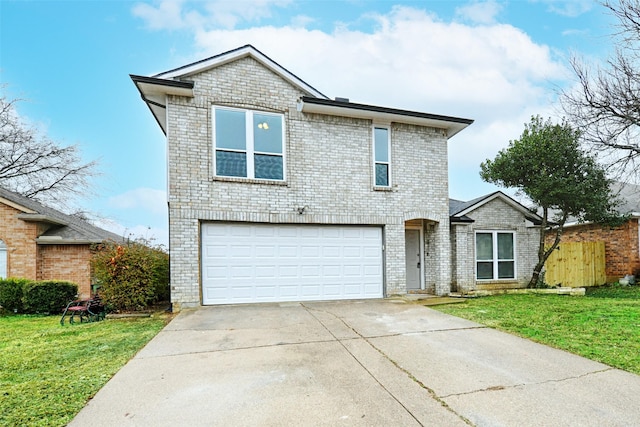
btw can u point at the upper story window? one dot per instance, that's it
(248, 144)
(495, 255)
(381, 156)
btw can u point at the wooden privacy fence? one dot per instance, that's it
(576, 264)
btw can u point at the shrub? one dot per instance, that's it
(49, 296)
(130, 276)
(11, 292)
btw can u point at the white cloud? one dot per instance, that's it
(148, 199)
(493, 73)
(571, 8)
(153, 235)
(479, 12)
(177, 14)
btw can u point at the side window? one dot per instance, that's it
(248, 144)
(381, 156)
(3, 260)
(495, 255)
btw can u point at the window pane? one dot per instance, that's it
(231, 130)
(485, 270)
(381, 139)
(382, 175)
(484, 246)
(231, 164)
(506, 270)
(505, 246)
(267, 133)
(268, 167)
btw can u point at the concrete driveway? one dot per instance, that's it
(373, 363)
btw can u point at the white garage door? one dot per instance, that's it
(244, 263)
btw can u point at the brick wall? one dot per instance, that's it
(27, 259)
(494, 215)
(66, 262)
(328, 168)
(20, 237)
(621, 245)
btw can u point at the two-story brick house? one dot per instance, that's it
(278, 193)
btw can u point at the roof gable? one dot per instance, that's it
(198, 67)
(458, 210)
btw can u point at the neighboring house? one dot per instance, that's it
(41, 243)
(622, 244)
(494, 242)
(278, 193)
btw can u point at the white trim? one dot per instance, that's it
(3, 260)
(375, 162)
(495, 260)
(504, 198)
(249, 147)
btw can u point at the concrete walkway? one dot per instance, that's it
(369, 363)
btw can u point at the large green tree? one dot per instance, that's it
(548, 166)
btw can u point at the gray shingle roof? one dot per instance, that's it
(65, 229)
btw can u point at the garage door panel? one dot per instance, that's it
(245, 263)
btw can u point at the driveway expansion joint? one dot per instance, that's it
(514, 386)
(430, 391)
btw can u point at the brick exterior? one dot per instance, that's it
(27, 259)
(622, 247)
(66, 262)
(328, 169)
(493, 215)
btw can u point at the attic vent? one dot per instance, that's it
(338, 99)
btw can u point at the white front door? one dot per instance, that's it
(412, 258)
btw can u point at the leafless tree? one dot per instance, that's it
(34, 166)
(605, 105)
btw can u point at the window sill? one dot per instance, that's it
(382, 188)
(249, 180)
(492, 281)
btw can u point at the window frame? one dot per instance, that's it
(495, 260)
(249, 150)
(375, 162)
(3, 259)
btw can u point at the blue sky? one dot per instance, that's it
(497, 62)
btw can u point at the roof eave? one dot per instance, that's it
(36, 217)
(452, 125)
(57, 240)
(154, 91)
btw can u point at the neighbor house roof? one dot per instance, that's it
(155, 89)
(458, 209)
(629, 197)
(64, 229)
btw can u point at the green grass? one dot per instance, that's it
(48, 372)
(604, 325)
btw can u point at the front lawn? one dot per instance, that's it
(48, 372)
(604, 325)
